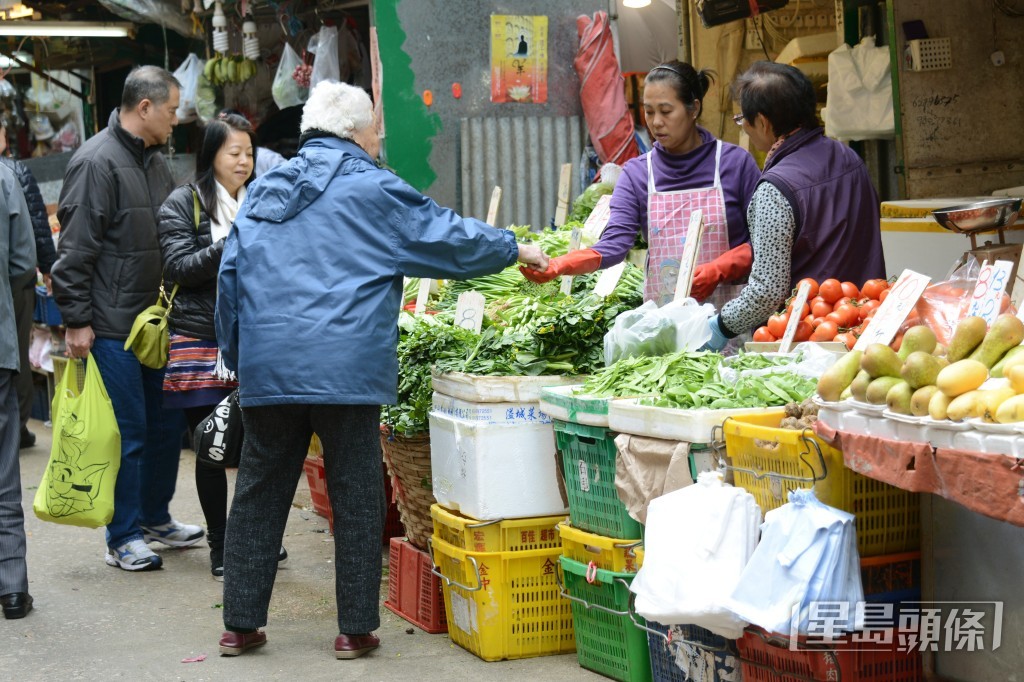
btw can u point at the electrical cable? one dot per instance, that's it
(1004, 7)
(760, 37)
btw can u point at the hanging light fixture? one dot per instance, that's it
(66, 29)
(635, 4)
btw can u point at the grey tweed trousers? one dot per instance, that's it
(13, 569)
(276, 441)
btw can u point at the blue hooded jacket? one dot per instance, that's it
(310, 283)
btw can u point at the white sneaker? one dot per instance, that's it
(174, 534)
(133, 555)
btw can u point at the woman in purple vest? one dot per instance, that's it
(814, 213)
(688, 169)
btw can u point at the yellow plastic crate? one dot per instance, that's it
(888, 519)
(502, 535)
(504, 605)
(606, 554)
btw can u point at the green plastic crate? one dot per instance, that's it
(607, 642)
(588, 462)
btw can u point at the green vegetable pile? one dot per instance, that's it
(747, 361)
(423, 339)
(691, 380)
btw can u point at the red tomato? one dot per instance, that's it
(803, 313)
(873, 288)
(868, 309)
(897, 342)
(846, 337)
(882, 296)
(849, 313)
(777, 324)
(763, 335)
(843, 301)
(815, 321)
(837, 318)
(820, 308)
(826, 331)
(831, 290)
(850, 289)
(814, 287)
(803, 331)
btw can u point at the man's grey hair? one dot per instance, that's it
(337, 108)
(147, 82)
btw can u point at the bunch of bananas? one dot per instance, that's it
(221, 69)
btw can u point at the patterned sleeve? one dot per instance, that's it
(772, 224)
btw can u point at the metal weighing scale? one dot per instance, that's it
(992, 215)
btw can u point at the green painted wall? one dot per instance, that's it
(409, 126)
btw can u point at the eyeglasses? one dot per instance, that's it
(738, 119)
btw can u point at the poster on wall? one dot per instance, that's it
(519, 58)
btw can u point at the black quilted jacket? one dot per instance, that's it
(46, 254)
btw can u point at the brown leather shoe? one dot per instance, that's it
(354, 646)
(235, 643)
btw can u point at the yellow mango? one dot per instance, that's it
(1016, 376)
(938, 406)
(989, 402)
(963, 406)
(1011, 410)
(961, 376)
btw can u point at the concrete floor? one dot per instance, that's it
(92, 621)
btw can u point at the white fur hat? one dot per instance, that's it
(337, 108)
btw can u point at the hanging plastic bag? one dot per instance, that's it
(325, 64)
(78, 484)
(652, 331)
(859, 93)
(285, 89)
(188, 75)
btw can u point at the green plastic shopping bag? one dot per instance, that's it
(78, 485)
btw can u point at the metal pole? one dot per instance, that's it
(685, 43)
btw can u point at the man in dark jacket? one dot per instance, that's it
(24, 290)
(107, 271)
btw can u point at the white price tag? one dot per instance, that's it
(599, 217)
(794, 320)
(894, 310)
(574, 245)
(564, 180)
(609, 279)
(469, 311)
(492, 210)
(694, 233)
(993, 280)
(422, 296)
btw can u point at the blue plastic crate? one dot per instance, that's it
(46, 310)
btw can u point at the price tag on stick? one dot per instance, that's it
(469, 311)
(993, 280)
(492, 210)
(574, 245)
(562, 209)
(694, 233)
(609, 279)
(422, 295)
(599, 217)
(894, 309)
(794, 320)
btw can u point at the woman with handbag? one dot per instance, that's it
(193, 223)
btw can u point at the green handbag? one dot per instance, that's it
(149, 338)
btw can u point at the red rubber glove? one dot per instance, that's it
(573, 263)
(729, 267)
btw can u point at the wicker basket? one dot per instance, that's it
(408, 462)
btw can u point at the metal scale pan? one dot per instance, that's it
(991, 215)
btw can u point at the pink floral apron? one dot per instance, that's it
(668, 218)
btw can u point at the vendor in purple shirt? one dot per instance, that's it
(814, 213)
(687, 170)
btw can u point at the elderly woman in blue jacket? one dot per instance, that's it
(310, 289)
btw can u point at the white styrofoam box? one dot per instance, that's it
(939, 438)
(854, 422)
(494, 470)
(880, 427)
(692, 426)
(489, 413)
(560, 403)
(487, 389)
(988, 443)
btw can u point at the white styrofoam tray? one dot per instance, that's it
(488, 389)
(693, 426)
(560, 402)
(489, 413)
(494, 470)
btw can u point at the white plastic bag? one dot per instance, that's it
(697, 543)
(285, 90)
(809, 360)
(325, 64)
(188, 75)
(859, 93)
(651, 331)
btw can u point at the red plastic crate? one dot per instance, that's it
(414, 592)
(317, 480)
(776, 662)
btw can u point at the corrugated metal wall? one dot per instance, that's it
(522, 155)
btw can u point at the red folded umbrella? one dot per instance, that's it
(602, 91)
